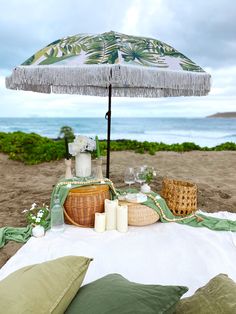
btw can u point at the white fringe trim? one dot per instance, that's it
(130, 81)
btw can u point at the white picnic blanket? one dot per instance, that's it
(168, 254)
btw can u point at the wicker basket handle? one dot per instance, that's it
(73, 222)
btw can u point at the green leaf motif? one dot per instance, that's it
(29, 61)
(113, 48)
(188, 65)
(102, 49)
(55, 52)
(51, 53)
(138, 53)
(52, 60)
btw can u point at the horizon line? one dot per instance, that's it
(101, 117)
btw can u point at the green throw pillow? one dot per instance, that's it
(44, 288)
(218, 296)
(113, 294)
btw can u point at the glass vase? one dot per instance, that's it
(83, 164)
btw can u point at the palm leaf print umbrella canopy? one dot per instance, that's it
(110, 64)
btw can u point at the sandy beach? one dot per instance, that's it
(213, 172)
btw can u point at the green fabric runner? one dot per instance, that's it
(212, 223)
(63, 187)
(21, 234)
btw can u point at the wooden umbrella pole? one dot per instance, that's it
(108, 117)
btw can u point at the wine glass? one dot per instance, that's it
(140, 175)
(129, 176)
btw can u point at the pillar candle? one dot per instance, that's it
(110, 210)
(100, 222)
(122, 218)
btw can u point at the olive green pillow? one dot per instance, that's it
(113, 294)
(45, 288)
(218, 296)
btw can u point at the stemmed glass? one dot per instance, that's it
(129, 176)
(140, 175)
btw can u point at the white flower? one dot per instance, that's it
(33, 206)
(36, 214)
(81, 144)
(72, 149)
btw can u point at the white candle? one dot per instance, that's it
(110, 210)
(100, 222)
(122, 218)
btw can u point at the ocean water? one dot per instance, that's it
(202, 131)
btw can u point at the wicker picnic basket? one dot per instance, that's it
(140, 215)
(180, 196)
(82, 203)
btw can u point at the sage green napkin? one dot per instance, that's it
(21, 234)
(199, 220)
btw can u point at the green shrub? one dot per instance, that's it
(226, 146)
(33, 148)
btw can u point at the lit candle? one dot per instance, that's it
(122, 218)
(100, 222)
(110, 210)
(98, 147)
(67, 150)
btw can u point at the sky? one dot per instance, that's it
(205, 31)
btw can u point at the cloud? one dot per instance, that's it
(224, 81)
(203, 30)
(29, 25)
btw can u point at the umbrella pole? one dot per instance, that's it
(108, 117)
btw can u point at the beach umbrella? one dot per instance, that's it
(110, 64)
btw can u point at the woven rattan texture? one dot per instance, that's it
(180, 196)
(140, 215)
(81, 205)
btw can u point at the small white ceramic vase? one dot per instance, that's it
(38, 231)
(145, 188)
(83, 164)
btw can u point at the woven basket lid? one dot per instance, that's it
(139, 214)
(90, 189)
